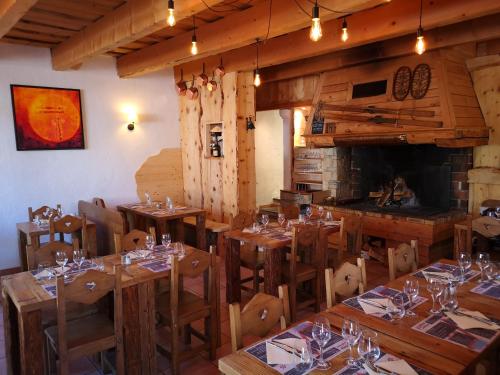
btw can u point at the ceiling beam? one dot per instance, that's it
(476, 30)
(131, 21)
(398, 18)
(11, 11)
(233, 31)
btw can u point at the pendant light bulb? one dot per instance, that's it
(420, 45)
(171, 16)
(256, 80)
(316, 33)
(194, 46)
(345, 34)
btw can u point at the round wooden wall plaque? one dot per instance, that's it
(421, 81)
(401, 83)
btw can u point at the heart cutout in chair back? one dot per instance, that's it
(195, 263)
(348, 278)
(67, 224)
(263, 314)
(91, 285)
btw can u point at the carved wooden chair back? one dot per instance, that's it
(345, 282)
(242, 220)
(47, 252)
(99, 202)
(72, 225)
(290, 211)
(353, 234)
(135, 239)
(259, 316)
(306, 243)
(403, 259)
(44, 212)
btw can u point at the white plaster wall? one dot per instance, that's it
(268, 156)
(107, 165)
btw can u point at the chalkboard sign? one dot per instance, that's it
(318, 126)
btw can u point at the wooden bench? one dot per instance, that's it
(215, 232)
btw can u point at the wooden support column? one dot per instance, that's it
(288, 131)
(12, 11)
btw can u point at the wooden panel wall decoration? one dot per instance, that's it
(420, 81)
(401, 83)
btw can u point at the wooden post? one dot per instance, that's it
(233, 291)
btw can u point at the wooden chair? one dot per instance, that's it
(99, 202)
(90, 335)
(308, 246)
(179, 308)
(46, 253)
(132, 240)
(403, 259)
(348, 239)
(259, 316)
(345, 282)
(44, 212)
(462, 239)
(290, 211)
(72, 225)
(250, 257)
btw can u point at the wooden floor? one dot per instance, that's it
(377, 274)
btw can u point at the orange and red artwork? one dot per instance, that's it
(47, 118)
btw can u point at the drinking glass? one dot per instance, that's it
(45, 266)
(281, 219)
(98, 263)
(309, 212)
(483, 259)
(37, 220)
(166, 240)
(289, 226)
(411, 289)
(78, 258)
(305, 356)
(321, 334)
(465, 263)
(179, 249)
(491, 271)
(397, 307)
(169, 204)
(321, 213)
(150, 242)
(61, 260)
(368, 347)
(265, 220)
(59, 212)
(448, 298)
(351, 332)
(256, 227)
(328, 216)
(435, 288)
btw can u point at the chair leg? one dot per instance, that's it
(211, 334)
(293, 302)
(175, 350)
(120, 359)
(49, 358)
(256, 280)
(187, 334)
(317, 294)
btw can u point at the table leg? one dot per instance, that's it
(31, 339)
(233, 290)
(11, 335)
(22, 240)
(201, 241)
(139, 328)
(272, 271)
(178, 234)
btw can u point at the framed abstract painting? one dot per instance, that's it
(47, 118)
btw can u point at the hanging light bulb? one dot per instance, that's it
(194, 45)
(345, 34)
(315, 34)
(420, 45)
(171, 16)
(256, 79)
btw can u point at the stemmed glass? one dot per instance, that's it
(321, 213)
(435, 288)
(465, 263)
(351, 332)
(179, 249)
(321, 334)
(309, 212)
(305, 356)
(265, 220)
(368, 347)
(166, 240)
(397, 307)
(281, 219)
(491, 271)
(328, 216)
(150, 242)
(61, 260)
(483, 259)
(37, 220)
(78, 258)
(411, 290)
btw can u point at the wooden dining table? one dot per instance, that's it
(274, 252)
(25, 302)
(29, 233)
(141, 215)
(429, 353)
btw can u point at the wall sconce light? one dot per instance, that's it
(131, 115)
(250, 124)
(131, 125)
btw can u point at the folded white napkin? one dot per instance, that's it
(437, 275)
(368, 370)
(247, 230)
(465, 322)
(45, 274)
(58, 270)
(368, 305)
(282, 354)
(139, 254)
(400, 367)
(331, 222)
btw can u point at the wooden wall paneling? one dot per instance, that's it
(295, 92)
(12, 11)
(161, 176)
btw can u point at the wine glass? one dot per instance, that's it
(59, 212)
(305, 356)
(62, 260)
(351, 332)
(78, 258)
(150, 242)
(368, 347)
(435, 288)
(491, 271)
(166, 239)
(321, 213)
(483, 259)
(309, 212)
(37, 220)
(328, 216)
(411, 289)
(321, 334)
(396, 307)
(465, 263)
(281, 219)
(179, 249)
(264, 220)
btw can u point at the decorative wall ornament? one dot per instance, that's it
(401, 83)
(421, 80)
